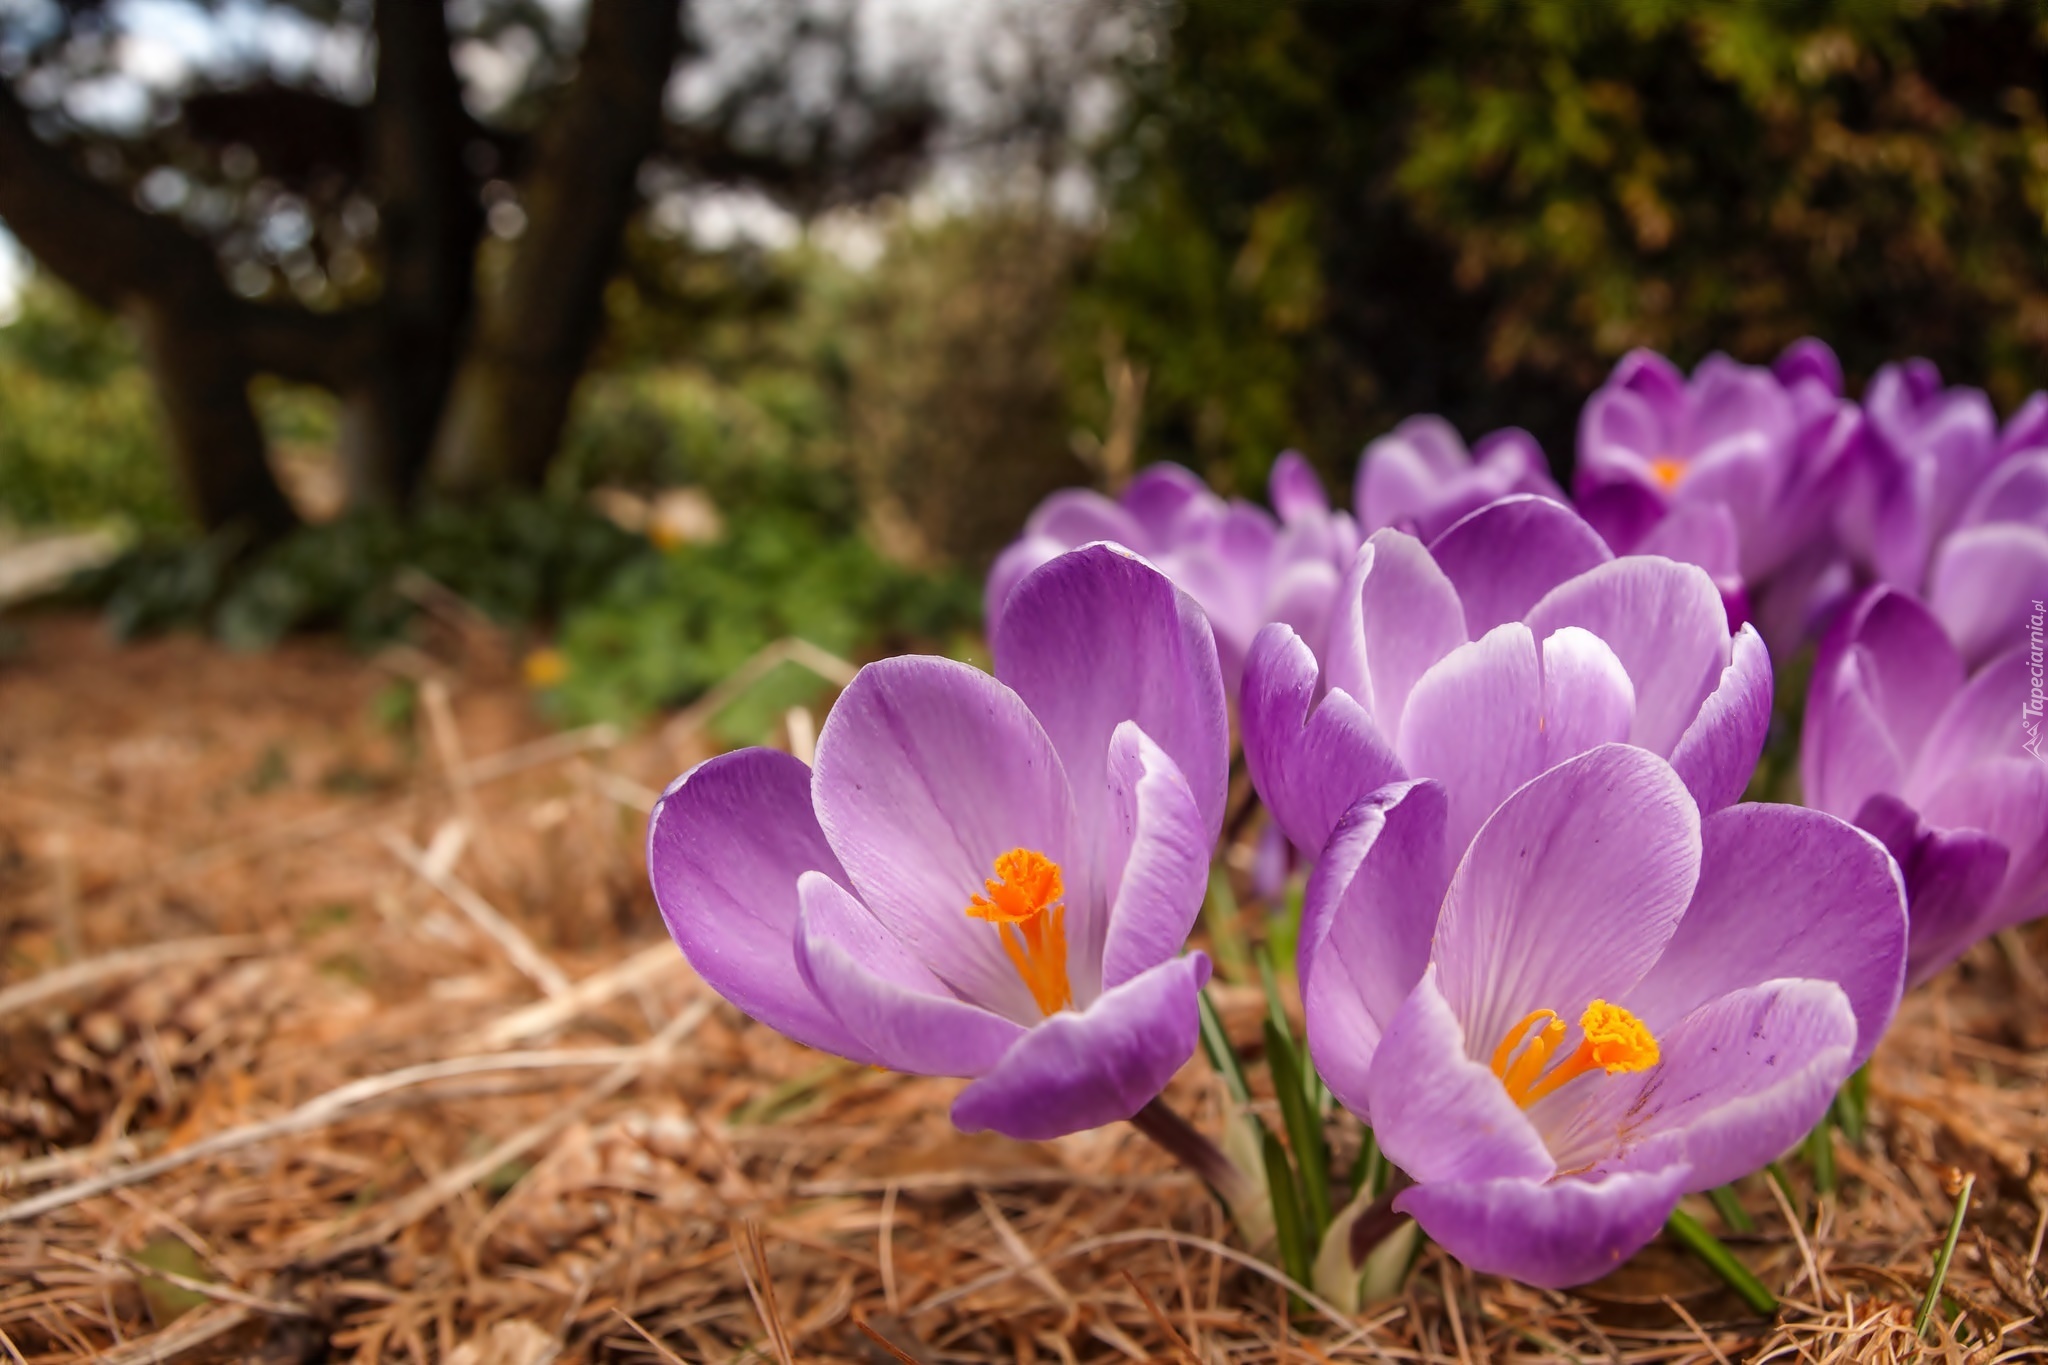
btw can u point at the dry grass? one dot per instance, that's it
(324, 1041)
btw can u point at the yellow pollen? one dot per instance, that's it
(1667, 470)
(1612, 1040)
(1025, 906)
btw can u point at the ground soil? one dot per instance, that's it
(337, 1022)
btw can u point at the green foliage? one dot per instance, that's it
(1325, 218)
(517, 560)
(78, 438)
(669, 627)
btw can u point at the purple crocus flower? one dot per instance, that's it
(1605, 1003)
(1419, 477)
(1511, 643)
(1729, 469)
(1242, 565)
(1931, 450)
(1989, 570)
(1934, 762)
(987, 877)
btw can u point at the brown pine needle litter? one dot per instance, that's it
(327, 1039)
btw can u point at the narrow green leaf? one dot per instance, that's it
(1287, 1222)
(1226, 933)
(1222, 1055)
(1304, 1129)
(1730, 1208)
(1721, 1261)
(1369, 1168)
(1820, 1154)
(1948, 1251)
(1852, 1104)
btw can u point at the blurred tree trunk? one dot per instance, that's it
(536, 329)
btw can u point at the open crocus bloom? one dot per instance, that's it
(1514, 641)
(1932, 449)
(988, 877)
(1243, 567)
(1419, 477)
(1728, 470)
(1609, 1003)
(1930, 759)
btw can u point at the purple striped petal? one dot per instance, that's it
(1504, 557)
(1553, 1235)
(1952, 878)
(1666, 624)
(1569, 892)
(1394, 616)
(1367, 918)
(1308, 766)
(1718, 752)
(903, 1015)
(1099, 637)
(1438, 1113)
(1785, 892)
(725, 847)
(1077, 1071)
(929, 770)
(1158, 863)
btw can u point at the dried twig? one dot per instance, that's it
(518, 948)
(127, 962)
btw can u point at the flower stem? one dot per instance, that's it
(1721, 1261)
(1730, 1208)
(1948, 1249)
(1180, 1140)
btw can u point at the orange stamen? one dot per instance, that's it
(1613, 1040)
(1667, 470)
(1024, 903)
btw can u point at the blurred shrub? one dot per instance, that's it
(78, 440)
(1324, 217)
(516, 560)
(669, 627)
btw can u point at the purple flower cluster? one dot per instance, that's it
(1546, 950)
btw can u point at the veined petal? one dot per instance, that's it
(1158, 867)
(1474, 723)
(1100, 637)
(928, 771)
(1719, 750)
(1504, 557)
(1395, 615)
(1554, 1234)
(1742, 1079)
(1569, 892)
(1664, 621)
(1367, 918)
(902, 1014)
(2007, 798)
(1984, 583)
(1952, 876)
(1846, 751)
(1978, 722)
(1437, 1113)
(1785, 892)
(726, 846)
(1082, 1070)
(1308, 766)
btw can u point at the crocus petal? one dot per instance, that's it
(725, 847)
(1554, 1234)
(1010, 568)
(1077, 1071)
(1158, 865)
(1786, 892)
(1718, 751)
(1701, 533)
(1976, 723)
(1161, 497)
(1475, 723)
(1588, 699)
(1741, 1079)
(1366, 921)
(928, 771)
(1952, 877)
(1504, 557)
(1809, 358)
(1664, 621)
(1395, 614)
(1077, 516)
(1301, 596)
(1437, 1113)
(1569, 892)
(2017, 490)
(902, 1014)
(2007, 798)
(1846, 752)
(1624, 510)
(1099, 637)
(1296, 489)
(1984, 583)
(1307, 767)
